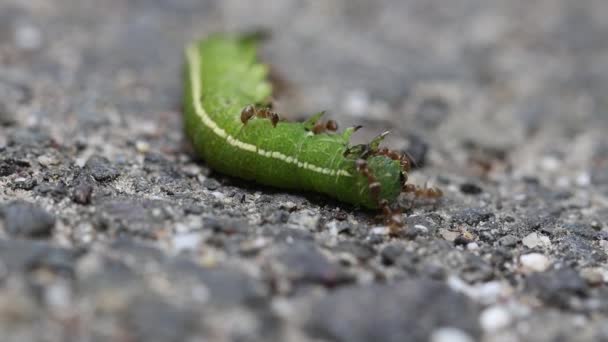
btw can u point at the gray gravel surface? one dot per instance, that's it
(112, 230)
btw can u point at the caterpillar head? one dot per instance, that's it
(388, 175)
(382, 173)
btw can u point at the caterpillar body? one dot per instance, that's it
(230, 126)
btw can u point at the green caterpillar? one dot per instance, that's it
(227, 119)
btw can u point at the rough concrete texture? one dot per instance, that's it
(112, 230)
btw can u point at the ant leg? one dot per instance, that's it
(392, 218)
(274, 119)
(373, 184)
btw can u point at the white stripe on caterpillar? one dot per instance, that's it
(194, 60)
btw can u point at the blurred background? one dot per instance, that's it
(111, 229)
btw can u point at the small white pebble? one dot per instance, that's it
(534, 262)
(187, 241)
(192, 170)
(534, 240)
(332, 227)
(460, 285)
(580, 321)
(604, 245)
(490, 292)
(181, 228)
(593, 275)
(46, 160)
(218, 195)
(520, 197)
(472, 246)
(283, 307)
(449, 334)
(156, 212)
(306, 219)
(379, 231)
(583, 179)
(494, 318)
(289, 205)
(448, 235)
(142, 146)
(421, 228)
(58, 296)
(550, 163)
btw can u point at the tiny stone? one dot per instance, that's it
(583, 179)
(472, 246)
(379, 231)
(593, 276)
(422, 229)
(534, 262)
(58, 296)
(463, 239)
(252, 247)
(494, 318)
(332, 227)
(470, 189)
(490, 292)
(508, 241)
(550, 163)
(306, 219)
(218, 195)
(142, 146)
(186, 241)
(449, 334)
(391, 253)
(101, 169)
(24, 183)
(534, 240)
(157, 212)
(604, 245)
(449, 235)
(341, 216)
(181, 228)
(46, 160)
(191, 170)
(211, 184)
(289, 205)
